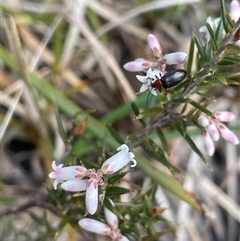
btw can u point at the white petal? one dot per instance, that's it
(225, 116)
(143, 88)
(111, 218)
(208, 144)
(153, 43)
(92, 196)
(55, 183)
(175, 58)
(213, 131)
(74, 185)
(228, 135)
(154, 92)
(66, 173)
(94, 226)
(234, 10)
(141, 78)
(117, 161)
(123, 148)
(139, 65)
(203, 120)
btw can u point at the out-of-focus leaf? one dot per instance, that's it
(220, 78)
(224, 16)
(62, 224)
(156, 152)
(61, 130)
(150, 112)
(137, 112)
(163, 140)
(190, 141)
(115, 134)
(116, 191)
(182, 125)
(154, 236)
(229, 61)
(234, 47)
(200, 48)
(167, 181)
(195, 104)
(190, 57)
(212, 35)
(219, 33)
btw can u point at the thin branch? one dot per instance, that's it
(167, 115)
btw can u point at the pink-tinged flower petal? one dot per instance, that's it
(111, 218)
(203, 120)
(92, 196)
(208, 143)
(74, 185)
(234, 10)
(123, 238)
(94, 226)
(224, 116)
(154, 46)
(118, 161)
(66, 173)
(138, 65)
(213, 131)
(227, 134)
(174, 58)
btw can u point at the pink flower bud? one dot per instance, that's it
(234, 10)
(111, 218)
(208, 143)
(225, 116)
(94, 226)
(174, 58)
(154, 46)
(92, 196)
(138, 65)
(74, 185)
(227, 134)
(213, 131)
(203, 120)
(118, 161)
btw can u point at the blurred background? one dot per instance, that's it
(79, 48)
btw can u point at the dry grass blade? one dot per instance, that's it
(106, 56)
(118, 20)
(219, 196)
(12, 106)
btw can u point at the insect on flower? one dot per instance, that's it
(170, 79)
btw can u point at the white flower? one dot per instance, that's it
(213, 129)
(147, 81)
(61, 173)
(119, 160)
(78, 178)
(110, 230)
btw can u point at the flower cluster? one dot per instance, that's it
(110, 230)
(234, 10)
(78, 178)
(212, 129)
(156, 68)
